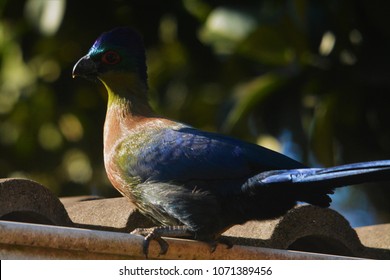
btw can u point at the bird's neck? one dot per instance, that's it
(127, 107)
(128, 93)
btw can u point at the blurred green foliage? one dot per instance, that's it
(309, 78)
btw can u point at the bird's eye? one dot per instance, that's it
(111, 57)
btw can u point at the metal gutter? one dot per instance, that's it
(34, 241)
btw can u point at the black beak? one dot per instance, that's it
(85, 68)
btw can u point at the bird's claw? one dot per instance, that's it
(226, 242)
(213, 244)
(154, 236)
(149, 235)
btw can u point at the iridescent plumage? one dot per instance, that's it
(200, 181)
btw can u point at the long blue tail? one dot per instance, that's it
(313, 185)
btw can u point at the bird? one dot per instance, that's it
(193, 183)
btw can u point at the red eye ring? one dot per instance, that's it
(111, 58)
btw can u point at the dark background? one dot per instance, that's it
(308, 78)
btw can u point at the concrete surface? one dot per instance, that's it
(114, 214)
(28, 201)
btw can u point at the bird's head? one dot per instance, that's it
(116, 58)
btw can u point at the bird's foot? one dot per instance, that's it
(151, 234)
(156, 233)
(222, 240)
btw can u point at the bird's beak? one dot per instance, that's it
(85, 68)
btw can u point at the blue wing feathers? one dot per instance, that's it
(188, 154)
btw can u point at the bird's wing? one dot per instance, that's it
(187, 154)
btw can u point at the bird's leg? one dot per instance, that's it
(156, 233)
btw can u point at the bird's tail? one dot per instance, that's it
(313, 185)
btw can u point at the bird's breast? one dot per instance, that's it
(124, 140)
